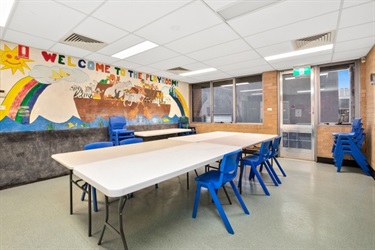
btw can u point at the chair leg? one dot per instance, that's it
(260, 180)
(220, 209)
(196, 200)
(240, 178)
(226, 193)
(278, 164)
(94, 201)
(273, 172)
(84, 187)
(239, 198)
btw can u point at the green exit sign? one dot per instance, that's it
(302, 71)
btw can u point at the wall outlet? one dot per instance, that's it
(2, 107)
(269, 109)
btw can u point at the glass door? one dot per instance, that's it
(297, 116)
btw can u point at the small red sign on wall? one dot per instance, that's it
(23, 51)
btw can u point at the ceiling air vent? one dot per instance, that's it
(314, 41)
(83, 42)
(178, 70)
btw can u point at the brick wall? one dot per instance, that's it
(370, 108)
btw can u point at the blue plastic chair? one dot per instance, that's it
(259, 159)
(117, 129)
(183, 122)
(90, 146)
(131, 141)
(215, 179)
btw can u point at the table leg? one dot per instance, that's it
(121, 205)
(71, 190)
(89, 206)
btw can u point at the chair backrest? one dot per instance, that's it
(99, 144)
(228, 167)
(184, 122)
(116, 122)
(276, 146)
(265, 148)
(131, 141)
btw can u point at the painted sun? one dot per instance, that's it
(10, 60)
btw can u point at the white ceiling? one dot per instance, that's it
(192, 34)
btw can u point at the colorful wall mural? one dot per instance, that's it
(46, 91)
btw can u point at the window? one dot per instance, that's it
(223, 101)
(201, 102)
(249, 99)
(337, 103)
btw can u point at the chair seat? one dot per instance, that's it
(212, 177)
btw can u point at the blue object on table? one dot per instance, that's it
(259, 159)
(215, 179)
(90, 146)
(117, 129)
(183, 122)
(350, 143)
(131, 141)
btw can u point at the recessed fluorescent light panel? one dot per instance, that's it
(139, 48)
(299, 52)
(5, 8)
(196, 72)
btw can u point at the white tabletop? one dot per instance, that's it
(73, 159)
(149, 133)
(242, 140)
(119, 176)
(204, 136)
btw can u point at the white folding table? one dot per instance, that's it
(150, 133)
(71, 160)
(119, 175)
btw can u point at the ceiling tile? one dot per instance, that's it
(358, 31)
(220, 50)
(42, 16)
(218, 5)
(152, 56)
(358, 15)
(82, 5)
(294, 31)
(195, 66)
(69, 50)
(2, 32)
(250, 71)
(126, 65)
(350, 3)
(132, 15)
(172, 63)
(216, 75)
(243, 65)
(29, 40)
(206, 38)
(280, 14)
(101, 58)
(276, 49)
(350, 54)
(235, 58)
(146, 69)
(185, 21)
(99, 30)
(123, 43)
(355, 44)
(320, 58)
